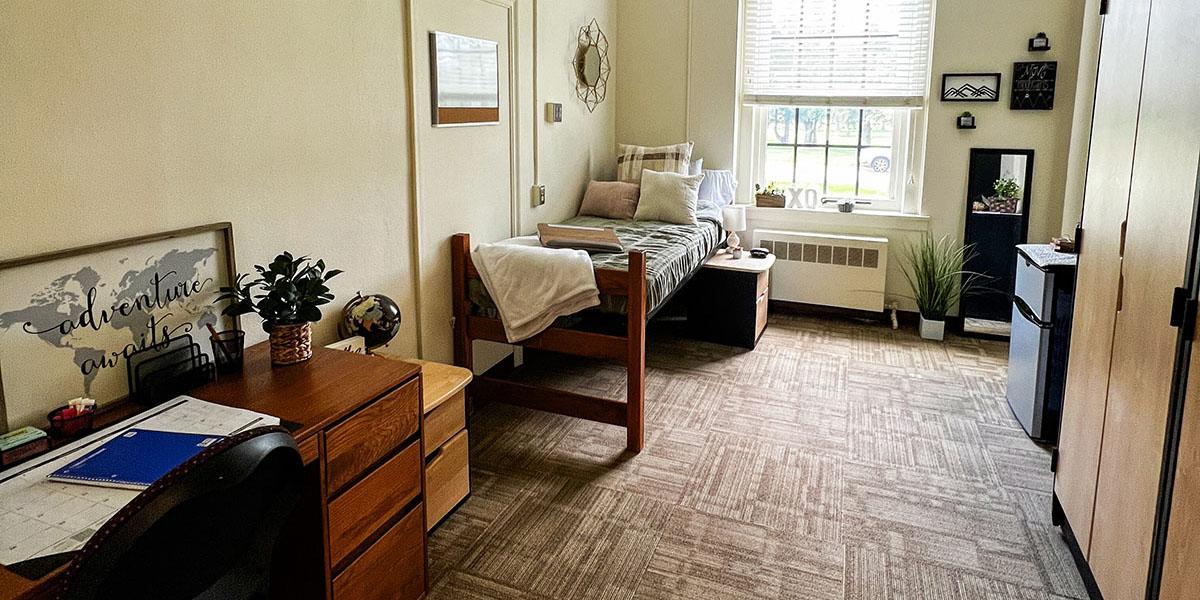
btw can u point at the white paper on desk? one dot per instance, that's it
(39, 517)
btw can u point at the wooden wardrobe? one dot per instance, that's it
(1131, 508)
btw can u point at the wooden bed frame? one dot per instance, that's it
(628, 349)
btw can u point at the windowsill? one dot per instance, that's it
(860, 218)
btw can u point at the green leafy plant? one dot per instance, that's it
(934, 270)
(289, 291)
(1007, 188)
(773, 189)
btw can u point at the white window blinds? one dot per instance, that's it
(836, 52)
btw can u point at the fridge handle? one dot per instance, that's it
(1027, 312)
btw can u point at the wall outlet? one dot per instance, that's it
(554, 112)
(539, 195)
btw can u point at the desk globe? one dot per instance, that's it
(375, 317)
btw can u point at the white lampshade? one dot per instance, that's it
(734, 217)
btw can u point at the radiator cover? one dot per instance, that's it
(827, 269)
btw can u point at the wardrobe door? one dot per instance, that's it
(1106, 198)
(1161, 204)
(1169, 116)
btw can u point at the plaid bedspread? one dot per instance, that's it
(672, 253)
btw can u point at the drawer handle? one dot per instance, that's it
(435, 455)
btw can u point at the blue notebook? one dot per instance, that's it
(134, 459)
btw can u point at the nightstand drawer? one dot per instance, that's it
(760, 312)
(393, 568)
(357, 514)
(370, 434)
(443, 422)
(447, 478)
(764, 279)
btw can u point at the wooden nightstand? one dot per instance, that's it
(727, 299)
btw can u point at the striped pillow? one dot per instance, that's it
(664, 159)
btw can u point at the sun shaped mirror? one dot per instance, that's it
(591, 65)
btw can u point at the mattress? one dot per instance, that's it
(673, 253)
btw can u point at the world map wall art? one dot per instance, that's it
(70, 319)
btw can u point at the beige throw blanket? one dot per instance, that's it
(532, 286)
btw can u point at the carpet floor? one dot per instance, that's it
(839, 459)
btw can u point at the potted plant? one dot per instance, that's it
(770, 196)
(287, 294)
(1007, 191)
(934, 270)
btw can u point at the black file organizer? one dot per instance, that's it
(160, 373)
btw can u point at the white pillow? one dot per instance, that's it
(668, 197)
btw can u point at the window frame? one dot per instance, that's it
(901, 196)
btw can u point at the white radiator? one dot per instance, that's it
(847, 271)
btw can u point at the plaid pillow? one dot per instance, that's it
(664, 159)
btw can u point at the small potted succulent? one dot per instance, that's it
(934, 271)
(287, 294)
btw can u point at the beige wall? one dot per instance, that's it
(675, 84)
(288, 119)
(292, 120)
(982, 36)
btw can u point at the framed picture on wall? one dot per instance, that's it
(70, 319)
(465, 77)
(970, 87)
(1033, 85)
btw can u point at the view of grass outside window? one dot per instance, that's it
(840, 152)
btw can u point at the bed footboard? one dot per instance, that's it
(628, 349)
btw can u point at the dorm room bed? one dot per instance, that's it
(633, 286)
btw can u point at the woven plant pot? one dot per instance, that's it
(291, 344)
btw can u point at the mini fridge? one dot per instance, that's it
(1043, 298)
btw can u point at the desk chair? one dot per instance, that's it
(206, 530)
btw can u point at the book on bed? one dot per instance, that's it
(592, 239)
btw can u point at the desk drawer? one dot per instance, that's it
(393, 568)
(448, 478)
(370, 434)
(367, 505)
(443, 422)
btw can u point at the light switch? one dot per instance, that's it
(554, 112)
(539, 195)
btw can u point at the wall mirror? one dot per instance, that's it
(591, 65)
(999, 186)
(465, 78)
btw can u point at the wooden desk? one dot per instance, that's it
(358, 532)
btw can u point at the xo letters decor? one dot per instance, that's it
(1033, 85)
(69, 319)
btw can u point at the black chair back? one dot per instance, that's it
(206, 530)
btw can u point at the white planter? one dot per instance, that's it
(933, 330)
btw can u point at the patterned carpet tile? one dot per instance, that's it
(567, 539)
(839, 459)
(702, 557)
(766, 483)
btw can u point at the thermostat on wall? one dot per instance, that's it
(554, 112)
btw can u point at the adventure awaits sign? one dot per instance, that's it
(67, 326)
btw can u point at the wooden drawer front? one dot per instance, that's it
(393, 568)
(448, 478)
(449, 418)
(370, 434)
(760, 312)
(763, 279)
(367, 505)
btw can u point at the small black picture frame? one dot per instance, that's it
(970, 87)
(1033, 85)
(966, 121)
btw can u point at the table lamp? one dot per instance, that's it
(733, 217)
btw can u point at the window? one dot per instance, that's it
(836, 52)
(839, 152)
(833, 88)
